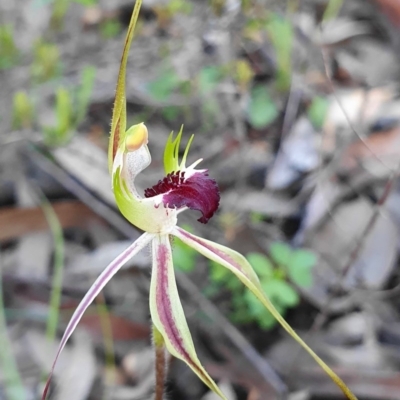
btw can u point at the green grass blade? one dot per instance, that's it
(58, 267)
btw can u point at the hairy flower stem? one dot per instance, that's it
(161, 364)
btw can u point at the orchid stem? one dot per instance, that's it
(161, 365)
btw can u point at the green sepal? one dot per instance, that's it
(118, 122)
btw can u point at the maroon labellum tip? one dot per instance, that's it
(198, 192)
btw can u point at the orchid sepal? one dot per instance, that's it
(93, 292)
(118, 121)
(239, 266)
(167, 312)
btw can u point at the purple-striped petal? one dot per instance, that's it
(198, 192)
(237, 264)
(167, 312)
(92, 293)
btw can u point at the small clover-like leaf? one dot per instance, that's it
(304, 259)
(163, 87)
(218, 273)
(261, 264)
(262, 110)
(281, 292)
(317, 111)
(300, 267)
(184, 256)
(281, 253)
(258, 312)
(209, 78)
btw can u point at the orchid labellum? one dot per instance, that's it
(156, 213)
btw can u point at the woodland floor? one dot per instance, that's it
(296, 112)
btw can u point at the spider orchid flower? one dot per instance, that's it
(156, 214)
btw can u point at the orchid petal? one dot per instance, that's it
(167, 312)
(171, 153)
(149, 215)
(237, 264)
(94, 290)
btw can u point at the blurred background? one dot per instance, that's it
(296, 113)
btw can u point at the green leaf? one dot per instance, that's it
(184, 256)
(261, 264)
(256, 217)
(259, 313)
(332, 10)
(84, 93)
(218, 273)
(300, 267)
(303, 259)
(209, 78)
(281, 253)
(255, 306)
(267, 321)
(64, 112)
(171, 113)
(23, 111)
(317, 111)
(86, 3)
(110, 29)
(8, 50)
(162, 87)
(262, 110)
(281, 293)
(281, 35)
(46, 61)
